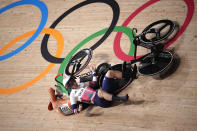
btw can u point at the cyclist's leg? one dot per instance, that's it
(104, 99)
(105, 95)
(110, 97)
(108, 85)
(52, 95)
(101, 101)
(114, 74)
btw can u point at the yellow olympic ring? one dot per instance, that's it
(60, 45)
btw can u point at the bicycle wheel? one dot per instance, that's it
(78, 62)
(157, 31)
(162, 62)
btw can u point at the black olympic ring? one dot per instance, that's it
(116, 12)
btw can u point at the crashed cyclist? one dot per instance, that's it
(85, 92)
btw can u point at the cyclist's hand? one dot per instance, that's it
(80, 107)
(78, 80)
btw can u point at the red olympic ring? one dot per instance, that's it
(123, 56)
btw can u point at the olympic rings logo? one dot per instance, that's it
(60, 40)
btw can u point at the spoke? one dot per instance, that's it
(73, 70)
(79, 55)
(153, 30)
(161, 28)
(82, 58)
(158, 35)
(78, 66)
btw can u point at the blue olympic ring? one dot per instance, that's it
(44, 12)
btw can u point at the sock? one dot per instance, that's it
(120, 98)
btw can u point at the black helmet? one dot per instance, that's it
(102, 69)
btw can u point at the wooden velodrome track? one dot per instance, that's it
(169, 104)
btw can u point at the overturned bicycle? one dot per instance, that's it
(154, 38)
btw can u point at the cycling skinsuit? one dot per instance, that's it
(85, 93)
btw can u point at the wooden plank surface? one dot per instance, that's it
(155, 105)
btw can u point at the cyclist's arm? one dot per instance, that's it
(85, 79)
(93, 83)
(73, 101)
(52, 95)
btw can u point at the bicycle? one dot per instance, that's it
(153, 63)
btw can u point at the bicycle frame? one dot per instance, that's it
(155, 57)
